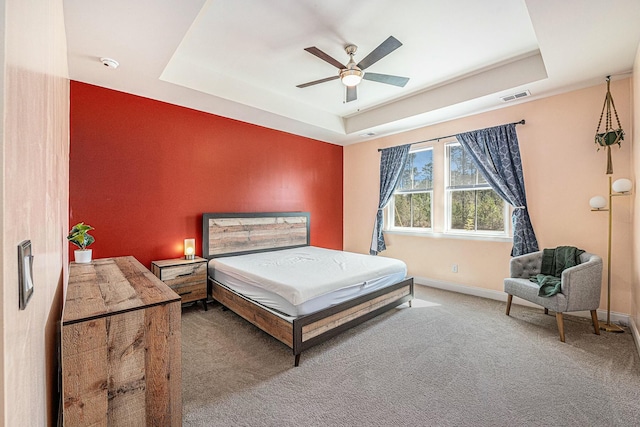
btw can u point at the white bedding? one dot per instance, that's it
(303, 280)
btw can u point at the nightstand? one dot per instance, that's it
(187, 277)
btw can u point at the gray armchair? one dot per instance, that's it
(580, 287)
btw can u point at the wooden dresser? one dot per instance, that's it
(121, 360)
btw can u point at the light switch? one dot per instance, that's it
(25, 273)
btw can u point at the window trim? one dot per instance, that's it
(454, 236)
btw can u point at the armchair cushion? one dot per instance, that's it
(525, 266)
(528, 290)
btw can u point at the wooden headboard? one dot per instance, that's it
(225, 234)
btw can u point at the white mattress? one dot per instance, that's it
(303, 280)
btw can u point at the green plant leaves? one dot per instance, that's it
(79, 236)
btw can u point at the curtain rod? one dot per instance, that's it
(521, 122)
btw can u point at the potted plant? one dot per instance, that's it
(79, 236)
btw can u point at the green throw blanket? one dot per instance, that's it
(554, 262)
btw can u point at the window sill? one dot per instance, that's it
(455, 236)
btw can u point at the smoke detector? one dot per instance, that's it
(108, 62)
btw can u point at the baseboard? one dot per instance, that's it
(635, 332)
(469, 290)
(619, 318)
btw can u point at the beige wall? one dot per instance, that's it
(635, 278)
(562, 171)
(35, 182)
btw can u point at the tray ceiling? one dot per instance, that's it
(243, 59)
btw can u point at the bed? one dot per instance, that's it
(262, 267)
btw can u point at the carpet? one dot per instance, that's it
(450, 360)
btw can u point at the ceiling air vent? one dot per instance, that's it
(515, 96)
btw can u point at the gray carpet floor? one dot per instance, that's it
(450, 360)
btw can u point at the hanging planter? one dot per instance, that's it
(609, 135)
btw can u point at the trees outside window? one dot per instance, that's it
(411, 203)
(473, 206)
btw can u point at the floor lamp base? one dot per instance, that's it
(610, 327)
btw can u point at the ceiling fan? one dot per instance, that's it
(352, 73)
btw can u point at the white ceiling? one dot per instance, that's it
(243, 58)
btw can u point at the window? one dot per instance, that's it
(441, 194)
(472, 204)
(411, 203)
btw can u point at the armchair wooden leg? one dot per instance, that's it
(509, 298)
(560, 321)
(596, 325)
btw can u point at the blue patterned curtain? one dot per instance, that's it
(496, 153)
(392, 162)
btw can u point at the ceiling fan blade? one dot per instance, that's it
(385, 48)
(352, 93)
(315, 82)
(386, 78)
(320, 54)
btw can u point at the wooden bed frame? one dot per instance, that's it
(226, 234)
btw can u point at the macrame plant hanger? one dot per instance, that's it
(610, 135)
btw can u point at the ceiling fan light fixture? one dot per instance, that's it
(351, 77)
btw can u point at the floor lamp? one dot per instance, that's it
(621, 187)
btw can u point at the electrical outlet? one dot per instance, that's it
(454, 268)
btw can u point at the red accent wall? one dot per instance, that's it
(142, 172)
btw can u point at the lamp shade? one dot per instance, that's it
(351, 77)
(622, 185)
(189, 248)
(597, 202)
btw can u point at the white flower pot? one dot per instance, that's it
(82, 256)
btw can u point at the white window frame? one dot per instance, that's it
(391, 206)
(448, 194)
